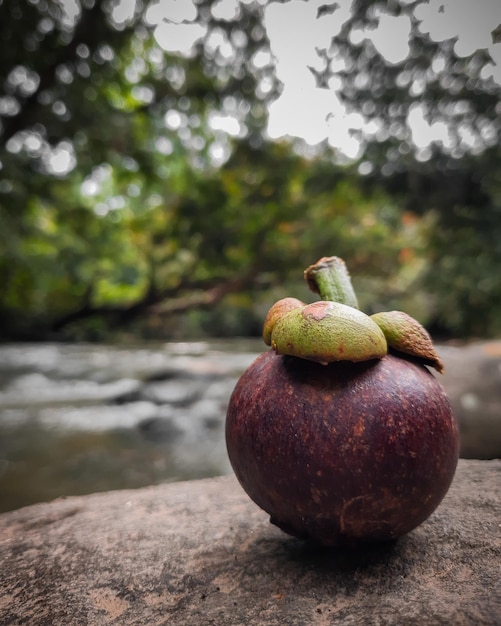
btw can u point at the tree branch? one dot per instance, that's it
(167, 302)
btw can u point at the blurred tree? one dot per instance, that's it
(445, 85)
(139, 178)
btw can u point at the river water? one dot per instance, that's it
(77, 419)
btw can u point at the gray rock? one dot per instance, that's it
(221, 389)
(161, 430)
(180, 391)
(98, 418)
(202, 553)
(472, 380)
(32, 390)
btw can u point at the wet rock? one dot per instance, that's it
(472, 379)
(99, 418)
(221, 389)
(180, 391)
(202, 553)
(161, 430)
(208, 409)
(36, 389)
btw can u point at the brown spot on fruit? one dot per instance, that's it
(317, 310)
(359, 428)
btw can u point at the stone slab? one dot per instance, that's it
(472, 380)
(201, 553)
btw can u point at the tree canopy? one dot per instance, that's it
(139, 182)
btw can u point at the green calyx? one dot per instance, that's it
(334, 329)
(405, 334)
(278, 310)
(328, 331)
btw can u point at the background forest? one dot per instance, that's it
(142, 194)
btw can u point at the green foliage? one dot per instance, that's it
(164, 218)
(465, 250)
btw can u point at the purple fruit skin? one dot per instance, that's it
(343, 453)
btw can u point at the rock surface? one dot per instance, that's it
(202, 553)
(472, 380)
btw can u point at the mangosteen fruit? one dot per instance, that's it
(340, 432)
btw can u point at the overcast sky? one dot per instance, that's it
(295, 32)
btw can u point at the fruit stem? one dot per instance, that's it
(329, 278)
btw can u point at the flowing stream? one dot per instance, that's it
(77, 419)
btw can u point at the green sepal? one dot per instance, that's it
(328, 331)
(405, 334)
